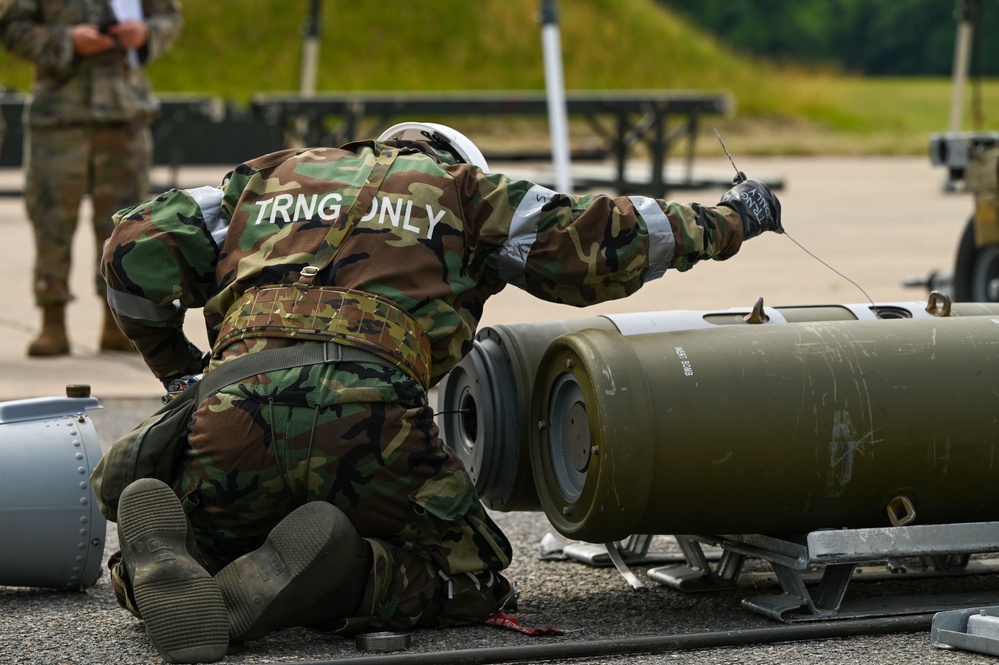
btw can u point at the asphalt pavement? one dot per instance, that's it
(876, 222)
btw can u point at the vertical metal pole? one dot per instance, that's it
(310, 52)
(962, 51)
(555, 85)
(309, 70)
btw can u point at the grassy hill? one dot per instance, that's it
(235, 49)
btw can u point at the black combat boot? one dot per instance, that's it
(472, 598)
(313, 568)
(177, 598)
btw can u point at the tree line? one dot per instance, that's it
(867, 37)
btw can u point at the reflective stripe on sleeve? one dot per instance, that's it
(523, 233)
(209, 199)
(135, 307)
(662, 243)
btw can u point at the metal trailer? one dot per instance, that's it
(972, 160)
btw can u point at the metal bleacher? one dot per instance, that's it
(205, 129)
(624, 120)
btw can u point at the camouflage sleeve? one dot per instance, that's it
(24, 33)
(164, 21)
(160, 261)
(581, 250)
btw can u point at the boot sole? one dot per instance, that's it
(180, 603)
(267, 589)
(47, 352)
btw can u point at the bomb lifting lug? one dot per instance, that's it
(757, 315)
(938, 304)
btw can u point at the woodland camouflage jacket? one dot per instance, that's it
(438, 240)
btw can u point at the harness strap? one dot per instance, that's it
(342, 228)
(299, 355)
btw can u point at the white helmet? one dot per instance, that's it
(459, 145)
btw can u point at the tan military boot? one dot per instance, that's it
(112, 338)
(52, 340)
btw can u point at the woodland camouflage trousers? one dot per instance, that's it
(110, 162)
(436, 552)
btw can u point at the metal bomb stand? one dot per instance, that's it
(822, 444)
(53, 532)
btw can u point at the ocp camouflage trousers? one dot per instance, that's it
(436, 551)
(62, 164)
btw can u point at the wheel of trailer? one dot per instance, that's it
(976, 271)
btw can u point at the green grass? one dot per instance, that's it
(237, 49)
(851, 115)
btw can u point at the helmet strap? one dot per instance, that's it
(442, 142)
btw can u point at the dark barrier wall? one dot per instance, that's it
(190, 130)
(11, 151)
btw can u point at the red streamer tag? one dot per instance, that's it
(506, 621)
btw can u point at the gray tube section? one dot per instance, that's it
(53, 533)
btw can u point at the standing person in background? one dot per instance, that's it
(87, 131)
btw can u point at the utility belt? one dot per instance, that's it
(371, 327)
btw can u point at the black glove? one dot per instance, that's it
(204, 357)
(756, 205)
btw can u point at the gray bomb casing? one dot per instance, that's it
(768, 429)
(53, 532)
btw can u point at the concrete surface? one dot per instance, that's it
(876, 220)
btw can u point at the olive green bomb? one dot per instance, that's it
(768, 429)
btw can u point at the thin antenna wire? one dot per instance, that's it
(875, 307)
(740, 176)
(727, 154)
